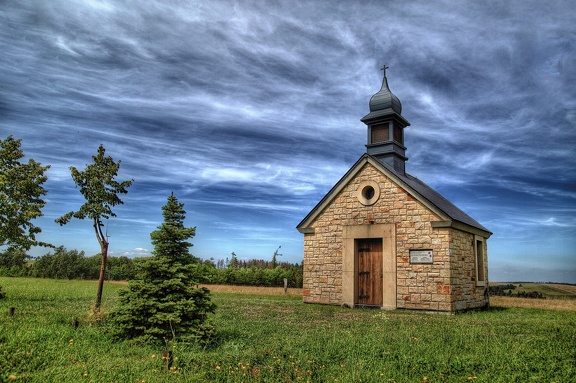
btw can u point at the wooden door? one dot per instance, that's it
(370, 272)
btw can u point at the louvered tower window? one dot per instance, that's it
(380, 133)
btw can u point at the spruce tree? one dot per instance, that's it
(164, 302)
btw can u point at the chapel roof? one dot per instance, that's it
(435, 198)
(453, 216)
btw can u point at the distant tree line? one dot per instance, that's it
(73, 264)
(254, 272)
(64, 264)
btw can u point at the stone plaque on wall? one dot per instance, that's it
(421, 256)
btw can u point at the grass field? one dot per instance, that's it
(277, 338)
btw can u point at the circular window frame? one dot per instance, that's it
(368, 193)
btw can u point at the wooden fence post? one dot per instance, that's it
(166, 359)
(285, 286)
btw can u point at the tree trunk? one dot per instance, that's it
(104, 250)
(102, 240)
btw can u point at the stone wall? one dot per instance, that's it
(466, 293)
(440, 286)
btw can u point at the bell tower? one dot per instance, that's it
(386, 128)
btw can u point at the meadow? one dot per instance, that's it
(277, 338)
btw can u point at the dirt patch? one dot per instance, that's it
(253, 290)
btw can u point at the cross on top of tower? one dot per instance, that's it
(384, 67)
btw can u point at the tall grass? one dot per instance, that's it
(280, 339)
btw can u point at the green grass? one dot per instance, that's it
(280, 339)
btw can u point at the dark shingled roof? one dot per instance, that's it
(434, 197)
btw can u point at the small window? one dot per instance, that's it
(480, 265)
(368, 193)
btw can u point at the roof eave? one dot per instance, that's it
(306, 230)
(381, 114)
(462, 227)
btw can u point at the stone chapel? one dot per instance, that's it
(383, 238)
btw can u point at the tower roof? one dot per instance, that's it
(384, 102)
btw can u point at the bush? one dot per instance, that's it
(500, 290)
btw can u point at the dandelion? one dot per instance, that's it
(12, 377)
(85, 375)
(153, 356)
(218, 368)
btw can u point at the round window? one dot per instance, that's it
(368, 193)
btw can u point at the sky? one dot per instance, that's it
(249, 112)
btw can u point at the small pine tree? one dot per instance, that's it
(164, 302)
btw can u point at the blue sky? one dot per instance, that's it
(249, 111)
